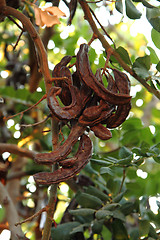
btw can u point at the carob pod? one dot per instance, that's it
(101, 132)
(70, 167)
(60, 70)
(67, 112)
(104, 115)
(93, 112)
(85, 91)
(123, 85)
(86, 75)
(64, 150)
(72, 10)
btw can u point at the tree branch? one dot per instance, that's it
(11, 213)
(107, 47)
(12, 148)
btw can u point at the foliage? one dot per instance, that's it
(116, 196)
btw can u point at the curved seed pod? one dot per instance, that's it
(111, 84)
(64, 61)
(119, 116)
(86, 75)
(101, 132)
(65, 95)
(122, 81)
(104, 115)
(72, 9)
(93, 112)
(123, 85)
(96, 106)
(64, 150)
(60, 70)
(67, 112)
(76, 80)
(69, 168)
(85, 91)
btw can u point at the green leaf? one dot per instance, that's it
(82, 212)
(101, 214)
(119, 215)
(127, 208)
(152, 232)
(118, 197)
(146, 4)
(124, 152)
(111, 206)
(124, 55)
(104, 170)
(153, 55)
(119, 230)
(119, 6)
(155, 38)
(131, 11)
(125, 161)
(62, 231)
(97, 226)
(157, 158)
(144, 227)
(88, 201)
(153, 16)
(141, 66)
(100, 162)
(96, 192)
(158, 67)
(79, 228)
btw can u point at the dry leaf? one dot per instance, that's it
(48, 16)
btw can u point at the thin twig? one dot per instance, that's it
(18, 40)
(15, 23)
(101, 26)
(21, 113)
(33, 216)
(37, 123)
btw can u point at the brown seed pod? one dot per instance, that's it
(70, 167)
(64, 150)
(67, 112)
(86, 75)
(101, 132)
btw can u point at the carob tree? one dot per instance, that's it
(87, 104)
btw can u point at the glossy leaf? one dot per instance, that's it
(118, 197)
(101, 214)
(119, 230)
(131, 11)
(124, 152)
(63, 231)
(82, 212)
(141, 66)
(96, 192)
(119, 6)
(124, 55)
(153, 56)
(88, 201)
(144, 227)
(153, 16)
(97, 226)
(155, 35)
(107, 170)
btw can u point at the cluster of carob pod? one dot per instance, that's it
(88, 104)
